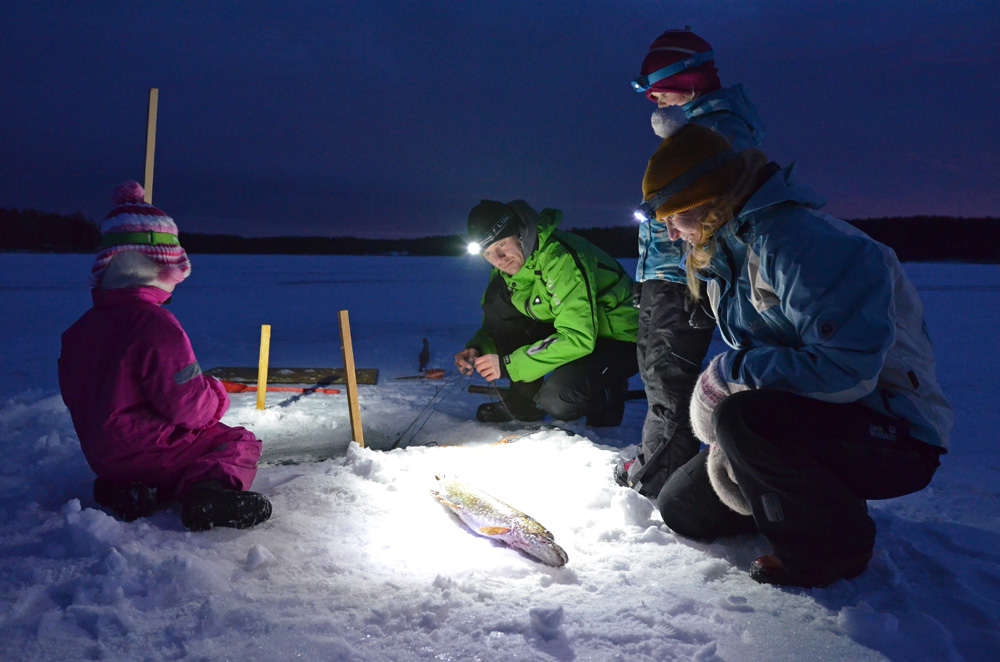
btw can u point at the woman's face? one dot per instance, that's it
(686, 225)
(506, 255)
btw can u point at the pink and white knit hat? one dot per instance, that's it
(134, 225)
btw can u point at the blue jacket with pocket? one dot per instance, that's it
(811, 305)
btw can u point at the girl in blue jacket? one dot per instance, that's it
(827, 396)
(679, 75)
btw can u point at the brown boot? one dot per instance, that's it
(769, 570)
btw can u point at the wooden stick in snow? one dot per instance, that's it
(154, 95)
(351, 378)
(265, 346)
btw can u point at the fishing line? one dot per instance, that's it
(517, 437)
(426, 412)
(506, 408)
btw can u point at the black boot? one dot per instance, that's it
(499, 412)
(127, 501)
(611, 411)
(518, 403)
(208, 505)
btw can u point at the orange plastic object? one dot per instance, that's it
(234, 387)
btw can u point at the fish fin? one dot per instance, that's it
(493, 530)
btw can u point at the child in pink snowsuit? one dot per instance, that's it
(146, 416)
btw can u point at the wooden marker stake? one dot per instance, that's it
(350, 378)
(265, 345)
(154, 95)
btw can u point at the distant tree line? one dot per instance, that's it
(41, 232)
(914, 238)
(937, 238)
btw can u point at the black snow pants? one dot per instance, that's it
(588, 386)
(806, 468)
(670, 353)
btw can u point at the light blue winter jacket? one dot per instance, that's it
(730, 112)
(811, 305)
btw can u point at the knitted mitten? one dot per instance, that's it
(711, 389)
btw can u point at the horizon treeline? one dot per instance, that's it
(914, 238)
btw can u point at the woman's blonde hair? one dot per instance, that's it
(720, 213)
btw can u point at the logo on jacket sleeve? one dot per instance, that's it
(542, 346)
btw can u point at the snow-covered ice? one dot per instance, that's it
(360, 562)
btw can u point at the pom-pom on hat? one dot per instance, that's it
(490, 221)
(675, 46)
(693, 165)
(135, 226)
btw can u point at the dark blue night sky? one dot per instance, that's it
(392, 119)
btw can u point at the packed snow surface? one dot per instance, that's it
(360, 562)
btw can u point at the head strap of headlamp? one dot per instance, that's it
(643, 83)
(497, 230)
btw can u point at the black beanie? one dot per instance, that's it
(490, 221)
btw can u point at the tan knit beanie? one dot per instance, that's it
(693, 165)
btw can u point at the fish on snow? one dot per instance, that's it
(487, 516)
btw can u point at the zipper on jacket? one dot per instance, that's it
(527, 309)
(583, 274)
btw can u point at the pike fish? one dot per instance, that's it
(489, 517)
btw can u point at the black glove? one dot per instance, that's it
(699, 312)
(636, 294)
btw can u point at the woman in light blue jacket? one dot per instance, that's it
(828, 395)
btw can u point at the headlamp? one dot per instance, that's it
(646, 212)
(643, 83)
(499, 230)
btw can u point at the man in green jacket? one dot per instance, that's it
(555, 303)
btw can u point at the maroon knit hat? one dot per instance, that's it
(674, 46)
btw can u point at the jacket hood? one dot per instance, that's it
(535, 227)
(780, 188)
(734, 100)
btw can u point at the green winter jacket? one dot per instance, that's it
(572, 284)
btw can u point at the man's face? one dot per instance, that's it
(506, 255)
